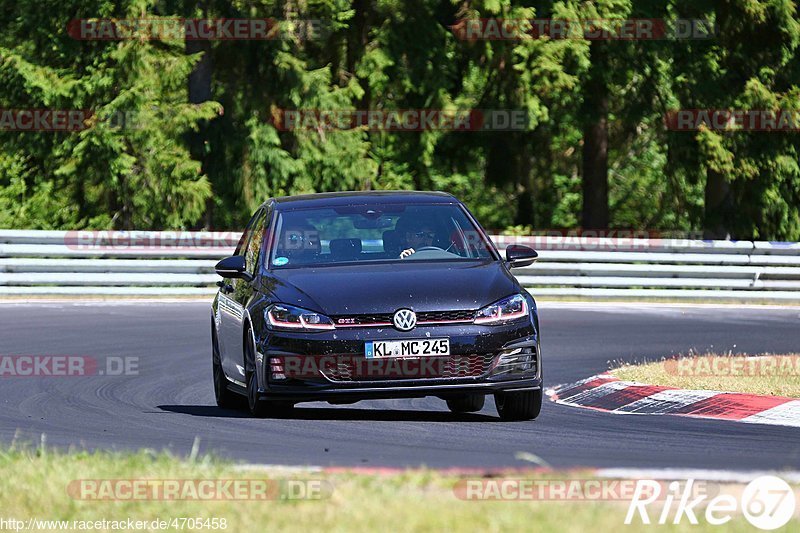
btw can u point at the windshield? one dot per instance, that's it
(369, 233)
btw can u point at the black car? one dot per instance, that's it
(349, 296)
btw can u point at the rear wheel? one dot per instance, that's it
(523, 405)
(467, 403)
(224, 397)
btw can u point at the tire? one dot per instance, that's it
(524, 405)
(467, 403)
(257, 406)
(225, 398)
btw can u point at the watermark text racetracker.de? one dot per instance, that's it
(399, 120)
(401, 363)
(225, 241)
(781, 366)
(54, 120)
(565, 489)
(508, 29)
(216, 489)
(113, 240)
(21, 366)
(630, 240)
(49, 120)
(767, 502)
(187, 29)
(748, 120)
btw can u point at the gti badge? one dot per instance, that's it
(405, 319)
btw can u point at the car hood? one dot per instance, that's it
(384, 288)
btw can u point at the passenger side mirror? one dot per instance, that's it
(233, 267)
(518, 255)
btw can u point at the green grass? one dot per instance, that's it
(33, 484)
(771, 375)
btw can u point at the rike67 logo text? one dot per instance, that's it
(767, 502)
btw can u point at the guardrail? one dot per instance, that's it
(182, 263)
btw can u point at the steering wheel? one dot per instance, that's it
(429, 248)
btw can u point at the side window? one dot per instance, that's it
(244, 240)
(254, 243)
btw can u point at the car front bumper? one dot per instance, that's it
(483, 359)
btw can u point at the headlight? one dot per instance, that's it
(282, 316)
(507, 309)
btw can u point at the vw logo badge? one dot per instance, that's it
(405, 319)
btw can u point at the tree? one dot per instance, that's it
(128, 167)
(752, 179)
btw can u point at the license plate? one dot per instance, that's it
(407, 348)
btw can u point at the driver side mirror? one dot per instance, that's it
(233, 267)
(518, 255)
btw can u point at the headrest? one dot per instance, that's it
(391, 241)
(349, 248)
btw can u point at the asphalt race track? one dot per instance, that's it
(170, 401)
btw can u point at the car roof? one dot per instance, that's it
(335, 199)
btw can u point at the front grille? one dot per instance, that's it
(386, 318)
(442, 316)
(410, 368)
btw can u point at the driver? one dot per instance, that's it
(417, 236)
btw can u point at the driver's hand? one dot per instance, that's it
(405, 253)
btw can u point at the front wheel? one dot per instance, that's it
(257, 406)
(523, 405)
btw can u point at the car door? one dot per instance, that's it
(239, 295)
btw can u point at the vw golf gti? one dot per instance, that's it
(343, 297)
